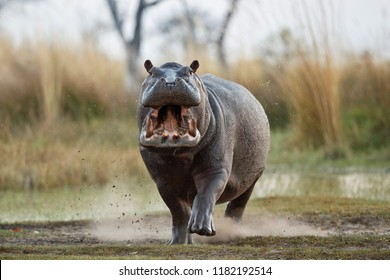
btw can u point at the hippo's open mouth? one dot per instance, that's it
(170, 126)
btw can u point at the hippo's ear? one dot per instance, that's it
(148, 65)
(194, 65)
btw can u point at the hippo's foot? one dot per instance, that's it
(175, 241)
(180, 235)
(201, 219)
(201, 224)
(202, 231)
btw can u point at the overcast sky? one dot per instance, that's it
(357, 24)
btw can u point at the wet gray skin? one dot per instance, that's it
(204, 140)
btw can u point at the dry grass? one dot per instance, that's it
(313, 91)
(44, 81)
(57, 109)
(71, 154)
(57, 100)
(311, 83)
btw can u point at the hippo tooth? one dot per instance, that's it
(184, 111)
(164, 137)
(149, 128)
(192, 129)
(155, 112)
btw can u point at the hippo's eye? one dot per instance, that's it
(189, 71)
(155, 73)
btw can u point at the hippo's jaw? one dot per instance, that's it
(170, 126)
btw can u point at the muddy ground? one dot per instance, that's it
(93, 232)
(354, 234)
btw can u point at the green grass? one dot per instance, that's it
(308, 247)
(284, 153)
(300, 205)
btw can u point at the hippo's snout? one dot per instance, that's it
(171, 92)
(170, 126)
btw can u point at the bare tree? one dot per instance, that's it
(190, 27)
(194, 29)
(132, 44)
(222, 34)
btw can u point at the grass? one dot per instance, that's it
(294, 248)
(65, 120)
(310, 79)
(70, 154)
(316, 211)
(315, 99)
(366, 83)
(43, 82)
(321, 204)
(94, 153)
(75, 154)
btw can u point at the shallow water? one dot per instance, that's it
(128, 200)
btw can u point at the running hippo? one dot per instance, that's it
(204, 141)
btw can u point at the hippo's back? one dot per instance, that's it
(245, 123)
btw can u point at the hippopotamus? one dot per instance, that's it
(204, 141)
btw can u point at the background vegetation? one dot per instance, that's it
(66, 119)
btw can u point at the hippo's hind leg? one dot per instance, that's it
(235, 208)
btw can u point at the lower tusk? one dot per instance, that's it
(192, 127)
(149, 128)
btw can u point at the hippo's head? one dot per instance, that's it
(170, 99)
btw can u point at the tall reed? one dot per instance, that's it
(43, 81)
(310, 80)
(50, 81)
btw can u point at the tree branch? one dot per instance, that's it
(118, 21)
(222, 32)
(153, 3)
(136, 41)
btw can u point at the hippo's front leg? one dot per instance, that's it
(180, 211)
(209, 186)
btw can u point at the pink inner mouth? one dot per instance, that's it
(169, 124)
